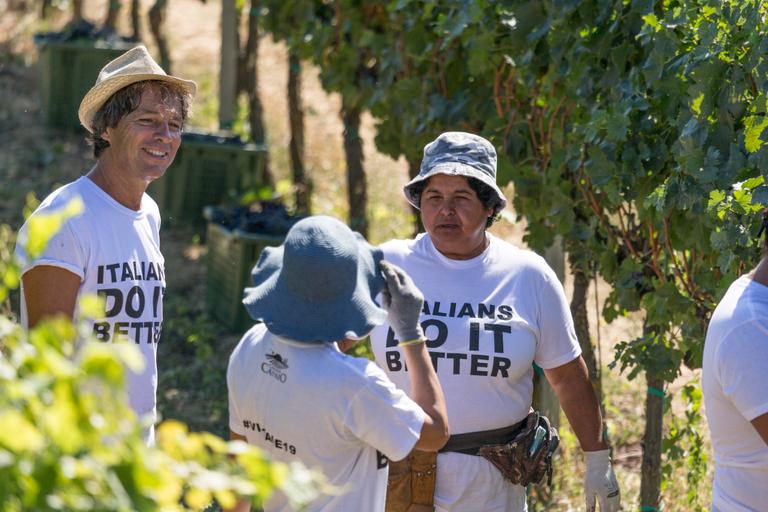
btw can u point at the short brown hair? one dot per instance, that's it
(125, 101)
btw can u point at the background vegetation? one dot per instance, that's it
(631, 130)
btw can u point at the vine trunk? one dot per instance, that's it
(356, 186)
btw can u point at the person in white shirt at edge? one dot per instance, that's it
(491, 310)
(295, 395)
(134, 115)
(734, 380)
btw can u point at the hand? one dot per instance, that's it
(600, 480)
(403, 302)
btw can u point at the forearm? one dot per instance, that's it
(577, 398)
(583, 413)
(427, 393)
(578, 401)
(761, 425)
(242, 506)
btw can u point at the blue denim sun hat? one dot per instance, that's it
(319, 285)
(457, 154)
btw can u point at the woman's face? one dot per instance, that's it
(454, 217)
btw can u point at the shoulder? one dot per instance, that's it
(60, 198)
(80, 201)
(397, 247)
(149, 206)
(247, 346)
(401, 251)
(358, 372)
(511, 252)
(520, 260)
(66, 232)
(737, 331)
(739, 309)
(738, 338)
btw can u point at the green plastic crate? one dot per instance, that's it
(67, 71)
(231, 257)
(209, 170)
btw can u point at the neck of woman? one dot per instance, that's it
(466, 253)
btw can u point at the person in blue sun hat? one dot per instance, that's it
(296, 396)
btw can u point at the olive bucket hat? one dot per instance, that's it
(457, 154)
(135, 65)
(319, 285)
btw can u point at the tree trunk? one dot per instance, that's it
(136, 19)
(77, 9)
(242, 57)
(255, 109)
(157, 26)
(110, 22)
(229, 64)
(414, 165)
(301, 181)
(650, 471)
(581, 324)
(356, 186)
(581, 319)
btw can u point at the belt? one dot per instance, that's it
(469, 443)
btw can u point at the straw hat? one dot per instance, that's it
(133, 66)
(319, 285)
(457, 154)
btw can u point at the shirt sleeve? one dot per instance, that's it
(741, 367)
(384, 417)
(557, 344)
(64, 250)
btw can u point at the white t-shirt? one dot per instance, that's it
(311, 403)
(116, 253)
(487, 319)
(735, 384)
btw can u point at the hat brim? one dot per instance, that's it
(451, 169)
(101, 92)
(296, 318)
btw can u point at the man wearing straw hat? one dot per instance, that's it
(134, 115)
(293, 393)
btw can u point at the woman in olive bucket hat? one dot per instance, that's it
(292, 392)
(490, 311)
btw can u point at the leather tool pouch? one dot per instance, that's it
(527, 457)
(522, 452)
(411, 485)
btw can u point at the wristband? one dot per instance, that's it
(412, 342)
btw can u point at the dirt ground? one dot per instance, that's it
(34, 158)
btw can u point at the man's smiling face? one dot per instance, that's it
(145, 141)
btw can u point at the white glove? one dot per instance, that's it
(600, 480)
(403, 302)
